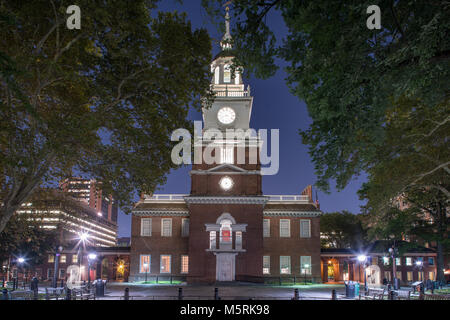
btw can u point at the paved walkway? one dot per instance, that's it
(233, 291)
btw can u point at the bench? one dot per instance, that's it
(20, 295)
(436, 297)
(373, 294)
(54, 293)
(83, 293)
(404, 294)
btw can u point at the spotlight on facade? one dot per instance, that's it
(92, 256)
(99, 214)
(21, 260)
(419, 263)
(84, 236)
(362, 258)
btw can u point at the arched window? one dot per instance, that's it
(216, 75)
(226, 73)
(225, 231)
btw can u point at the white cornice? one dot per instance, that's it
(162, 212)
(205, 172)
(226, 200)
(279, 213)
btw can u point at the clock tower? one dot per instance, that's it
(226, 202)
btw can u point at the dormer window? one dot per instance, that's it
(226, 73)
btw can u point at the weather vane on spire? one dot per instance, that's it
(226, 39)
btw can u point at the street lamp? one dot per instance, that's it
(20, 261)
(419, 264)
(83, 238)
(58, 251)
(91, 257)
(393, 252)
(306, 266)
(362, 259)
(146, 270)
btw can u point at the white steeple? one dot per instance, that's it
(226, 39)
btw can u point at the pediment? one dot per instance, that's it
(226, 168)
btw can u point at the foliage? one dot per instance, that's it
(98, 102)
(342, 230)
(349, 76)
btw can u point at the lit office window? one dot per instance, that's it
(184, 264)
(285, 264)
(266, 264)
(165, 264)
(408, 261)
(51, 258)
(63, 258)
(285, 228)
(146, 227)
(398, 261)
(166, 227)
(74, 258)
(305, 228)
(409, 276)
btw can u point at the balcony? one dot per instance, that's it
(180, 198)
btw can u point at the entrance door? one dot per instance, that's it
(225, 264)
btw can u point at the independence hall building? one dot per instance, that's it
(226, 229)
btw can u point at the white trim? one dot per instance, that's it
(226, 199)
(273, 213)
(170, 213)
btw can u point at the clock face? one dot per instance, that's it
(226, 115)
(226, 183)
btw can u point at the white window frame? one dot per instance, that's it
(168, 232)
(288, 234)
(212, 240)
(185, 227)
(238, 243)
(408, 261)
(289, 264)
(187, 257)
(302, 234)
(141, 265)
(217, 75)
(226, 69)
(146, 227)
(266, 264)
(161, 260)
(266, 228)
(305, 260)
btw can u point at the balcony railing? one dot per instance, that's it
(232, 93)
(288, 198)
(180, 198)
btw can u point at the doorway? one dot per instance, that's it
(225, 266)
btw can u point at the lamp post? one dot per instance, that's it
(20, 261)
(419, 264)
(146, 270)
(362, 259)
(91, 257)
(83, 238)
(306, 266)
(58, 251)
(393, 252)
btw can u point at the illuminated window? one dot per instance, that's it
(63, 258)
(387, 275)
(166, 227)
(225, 231)
(184, 264)
(408, 261)
(386, 261)
(74, 258)
(227, 155)
(285, 264)
(305, 263)
(145, 266)
(285, 228)
(165, 264)
(238, 240)
(420, 276)
(146, 227)
(398, 261)
(266, 264)
(51, 258)
(266, 228)
(212, 239)
(185, 227)
(431, 275)
(226, 73)
(305, 228)
(399, 275)
(409, 276)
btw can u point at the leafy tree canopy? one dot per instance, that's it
(101, 101)
(349, 76)
(342, 230)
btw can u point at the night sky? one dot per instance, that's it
(274, 107)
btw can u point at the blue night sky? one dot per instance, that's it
(274, 107)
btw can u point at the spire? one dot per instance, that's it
(226, 39)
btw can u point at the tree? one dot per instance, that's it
(349, 76)
(342, 230)
(24, 238)
(101, 101)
